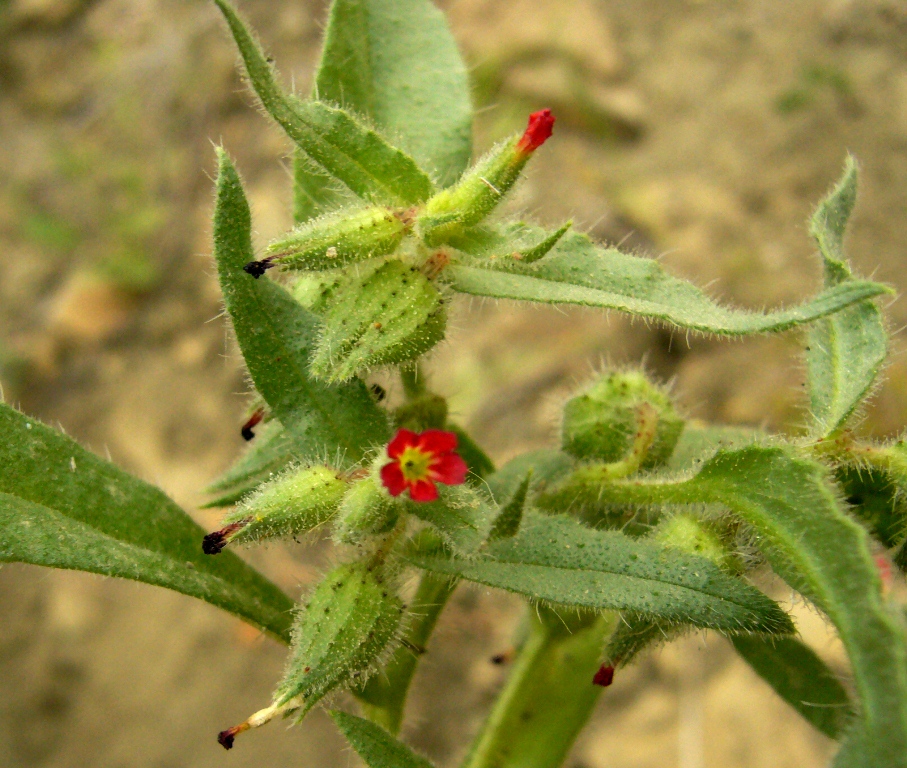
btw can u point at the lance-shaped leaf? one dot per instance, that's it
(376, 747)
(559, 560)
(799, 677)
(818, 549)
(270, 453)
(576, 271)
(277, 337)
(62, 506)
(396, 63)
(507, 523)
(845, 351)
(345, 148)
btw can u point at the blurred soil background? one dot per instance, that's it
(701, 133)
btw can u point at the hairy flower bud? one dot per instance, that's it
(484, 186)
(375, 314)
(367, 509)
(351, 618)
(603, 422)
(338, 239)
(291, 504)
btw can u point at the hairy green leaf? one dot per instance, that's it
(271, 452)
(376, 747)
(578, 272)
(699, 443)
(845, 351)
(62, 506)
(345, 148)
(799, 677)
(315, 193)
(818, 549)
(277, 337)
(396, 63)
(559, 560)
(548, 465)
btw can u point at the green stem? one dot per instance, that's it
(384, 696)
(547, 698)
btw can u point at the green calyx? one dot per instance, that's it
(351, 618)
(603, 423)
(367, 509)
(375, 313)
(475, 196)
(291, 504)
(338, 239)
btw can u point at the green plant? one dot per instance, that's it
(638, 527)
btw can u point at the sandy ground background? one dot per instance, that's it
(698, 132)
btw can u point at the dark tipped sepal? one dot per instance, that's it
(258, 268)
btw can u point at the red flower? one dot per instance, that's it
(418, 461)
(537, 132)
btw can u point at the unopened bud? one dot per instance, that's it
(603, 422)
(367, 509)
(338, 239)
(375, 314)
(483, 187)
(350, 620)
(289, 505)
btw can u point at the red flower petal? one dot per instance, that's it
(423, 490)
(449, 469)
(437, 441)
(537, 132)
(392, 477)
(604, 677)
(402, 440)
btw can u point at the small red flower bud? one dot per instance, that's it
(604, 677)
(418, 461)
(537, 132)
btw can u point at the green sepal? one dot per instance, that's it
(367, 509)
(462, 515)
(476, 195)
(507, 523)
(291, 504)
(375, 313)
(347, 624)
(515, 240)
(337, 239)
(601, 423)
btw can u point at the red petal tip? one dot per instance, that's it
(605, 676)
(537, 132)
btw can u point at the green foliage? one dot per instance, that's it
(507, 523)
(799, 677)
(846, 350)
(561, 561)
(810, 541)
(333, 139)
(396, 63)
(576, 271)
(278, 337)
(376, 747)
(63, 507)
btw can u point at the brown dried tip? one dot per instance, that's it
(604, 677)
(214, 542)
(258, 268)
(537, 132)
(503, 658)
(225, 738)
(254, 420)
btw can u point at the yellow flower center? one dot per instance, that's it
(414, 464)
